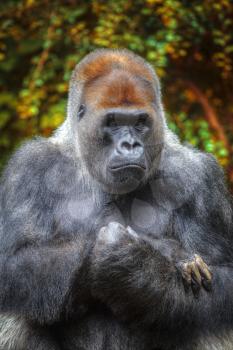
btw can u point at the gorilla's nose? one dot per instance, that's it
(130, 148)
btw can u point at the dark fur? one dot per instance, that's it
(63, 286)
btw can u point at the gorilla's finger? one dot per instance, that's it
(203, 268)
(132, 232)
(196, 276)
(205, 273)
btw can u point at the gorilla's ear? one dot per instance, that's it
(81, 111)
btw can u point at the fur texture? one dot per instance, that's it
(65, 283)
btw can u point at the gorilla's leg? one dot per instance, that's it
(17, 334)
(222, 341)
(215, 341)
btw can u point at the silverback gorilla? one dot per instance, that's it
(113, 234)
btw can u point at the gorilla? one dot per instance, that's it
(114, 235)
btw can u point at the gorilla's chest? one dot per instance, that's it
(144, 215)
(139, 211)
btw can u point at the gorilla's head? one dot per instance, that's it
(116, 117)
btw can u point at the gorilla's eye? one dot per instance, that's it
(81, 112)
(111, 121)
(141, 122)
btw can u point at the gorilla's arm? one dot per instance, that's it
(40, 256)
(140, 279)
(142, 285)
(36, 281)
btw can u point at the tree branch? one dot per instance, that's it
(210, 113)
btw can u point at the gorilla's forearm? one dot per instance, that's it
(140, 283)
(36, 282)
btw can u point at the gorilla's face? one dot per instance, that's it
(121, 136)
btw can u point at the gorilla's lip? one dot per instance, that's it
(128, 166)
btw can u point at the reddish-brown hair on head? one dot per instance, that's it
(102, 62)
(119, 89)
(115, 78)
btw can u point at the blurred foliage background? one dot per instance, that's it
(190, 43)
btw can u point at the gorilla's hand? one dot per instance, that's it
(128, 274)
(196, 274)
(134, 275)
(114, 234)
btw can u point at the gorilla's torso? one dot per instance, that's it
(79, 213)
(99, 329)
(78, 210)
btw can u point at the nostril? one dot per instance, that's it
(126, 145)
(137, 145)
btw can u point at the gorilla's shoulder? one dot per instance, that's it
(35, 162)
(192, 168)
(30, 157)
(36, 151)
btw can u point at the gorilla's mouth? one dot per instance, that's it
(128, 166)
